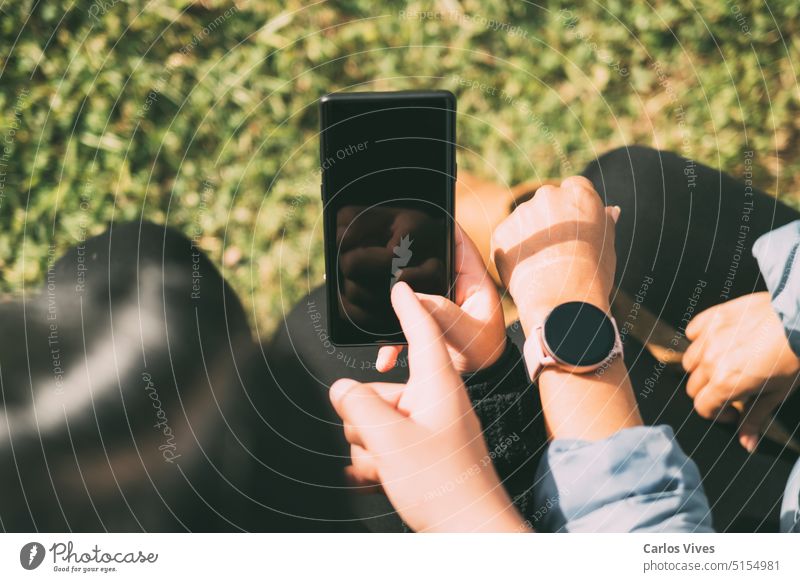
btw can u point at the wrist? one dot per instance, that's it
(497, 366)
(571, 402)
(492, 356)
(535, 296)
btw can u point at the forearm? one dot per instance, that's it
(589, 406)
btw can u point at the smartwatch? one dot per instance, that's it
(576, 336)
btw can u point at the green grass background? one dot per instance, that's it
(116, 111)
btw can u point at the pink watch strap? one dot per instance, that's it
(537, 356)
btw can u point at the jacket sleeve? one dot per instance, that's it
(637, 480)
(777, 256)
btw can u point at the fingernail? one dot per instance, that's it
(615, 212)
(399, 287)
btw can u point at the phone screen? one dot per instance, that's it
(388, 178)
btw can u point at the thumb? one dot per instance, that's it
(463, 327)
(754, 418)
(377, 423)
(444, 312)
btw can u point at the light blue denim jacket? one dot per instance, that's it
(777, 256)
(639, 479)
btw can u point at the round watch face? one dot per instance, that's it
(579, 334)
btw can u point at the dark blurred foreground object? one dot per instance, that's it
(134, 398)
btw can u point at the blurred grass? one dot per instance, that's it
(203, 115)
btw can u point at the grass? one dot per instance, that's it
(203, 115)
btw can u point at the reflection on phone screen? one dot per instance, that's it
(379, 246)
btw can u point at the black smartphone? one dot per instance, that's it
(388, 189)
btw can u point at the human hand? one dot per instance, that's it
(740, 358)
(422, 440)
(473, 327)
(557, 247)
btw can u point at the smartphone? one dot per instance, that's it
(388, 189)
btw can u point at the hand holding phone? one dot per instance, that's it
(473, 327)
